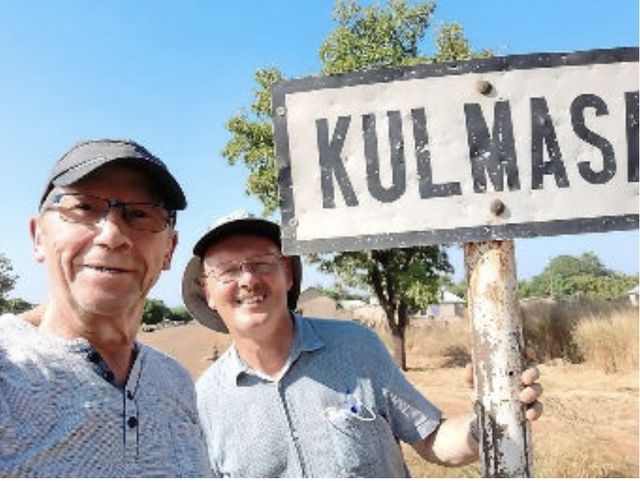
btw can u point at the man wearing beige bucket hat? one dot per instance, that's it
(301, 397)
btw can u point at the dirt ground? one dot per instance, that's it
(589, 428)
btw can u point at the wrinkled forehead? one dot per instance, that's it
(236, 247)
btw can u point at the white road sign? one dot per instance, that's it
(506, 147)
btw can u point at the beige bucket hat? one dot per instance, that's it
(240, 222)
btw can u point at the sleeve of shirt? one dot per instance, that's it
(411, 416)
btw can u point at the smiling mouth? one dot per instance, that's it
(107, 270)
(250, 300)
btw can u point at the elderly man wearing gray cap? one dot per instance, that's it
(79, 396)
(302, 397)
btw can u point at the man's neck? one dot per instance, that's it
(267, 355)
(112, 337)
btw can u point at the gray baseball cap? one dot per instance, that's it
(239, 222)
(85, 157)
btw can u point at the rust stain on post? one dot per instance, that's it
(497, 345)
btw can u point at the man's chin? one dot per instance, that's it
(108, 305)
(248, 321)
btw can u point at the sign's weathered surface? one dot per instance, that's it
(518, 146)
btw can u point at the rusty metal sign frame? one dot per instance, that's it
(292, 244)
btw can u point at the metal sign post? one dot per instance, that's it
(491, 149)
(497, 345)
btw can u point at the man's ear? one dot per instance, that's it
(35, 232)
(171, 248)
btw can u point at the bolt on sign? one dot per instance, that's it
(498, 148)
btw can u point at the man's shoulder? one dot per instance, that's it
(13, 328)
(214, 376)
(10, 320)
(340, 336)
(338, 330)
(163, 361)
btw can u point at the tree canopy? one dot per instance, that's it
(364, 38)
(571, 276)
(154, 312)
(7, 282)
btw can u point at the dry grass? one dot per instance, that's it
(443, 346)
(603, 334)
(590, 425)
(610, 341)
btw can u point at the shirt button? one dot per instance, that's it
(132, 422)
(294, 434)
(129, 395)
(93, 356)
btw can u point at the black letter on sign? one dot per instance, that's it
(543, 133)
(494, 154)
(427, 187)
(608, 157)
(396, 143)
(631, 99)
(331, 162)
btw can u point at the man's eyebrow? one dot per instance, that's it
(244, 258)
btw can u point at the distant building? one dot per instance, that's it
(633, 295)
(449, 307)
(370, 315)
(313, 303)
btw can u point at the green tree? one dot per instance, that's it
(364, 38)
(154, 312)
(339, 292)
(569, 276)
(17, 305)
(7, 281)
(179, 314)
(459, 288)
(252, 142)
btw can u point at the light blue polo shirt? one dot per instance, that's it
(338, 410)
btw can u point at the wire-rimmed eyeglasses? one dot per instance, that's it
(90, 209)
(229, 272)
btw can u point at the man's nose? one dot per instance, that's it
(113, 228)
(247, 274)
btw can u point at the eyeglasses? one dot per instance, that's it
(232, 271)
(89, 209)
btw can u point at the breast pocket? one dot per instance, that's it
(357, 440)
(190, 449)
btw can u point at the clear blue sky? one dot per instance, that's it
(170, 73)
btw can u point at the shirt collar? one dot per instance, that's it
(305, 339)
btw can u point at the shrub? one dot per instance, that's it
(154, 312)
(547, 327)
(179, 314)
